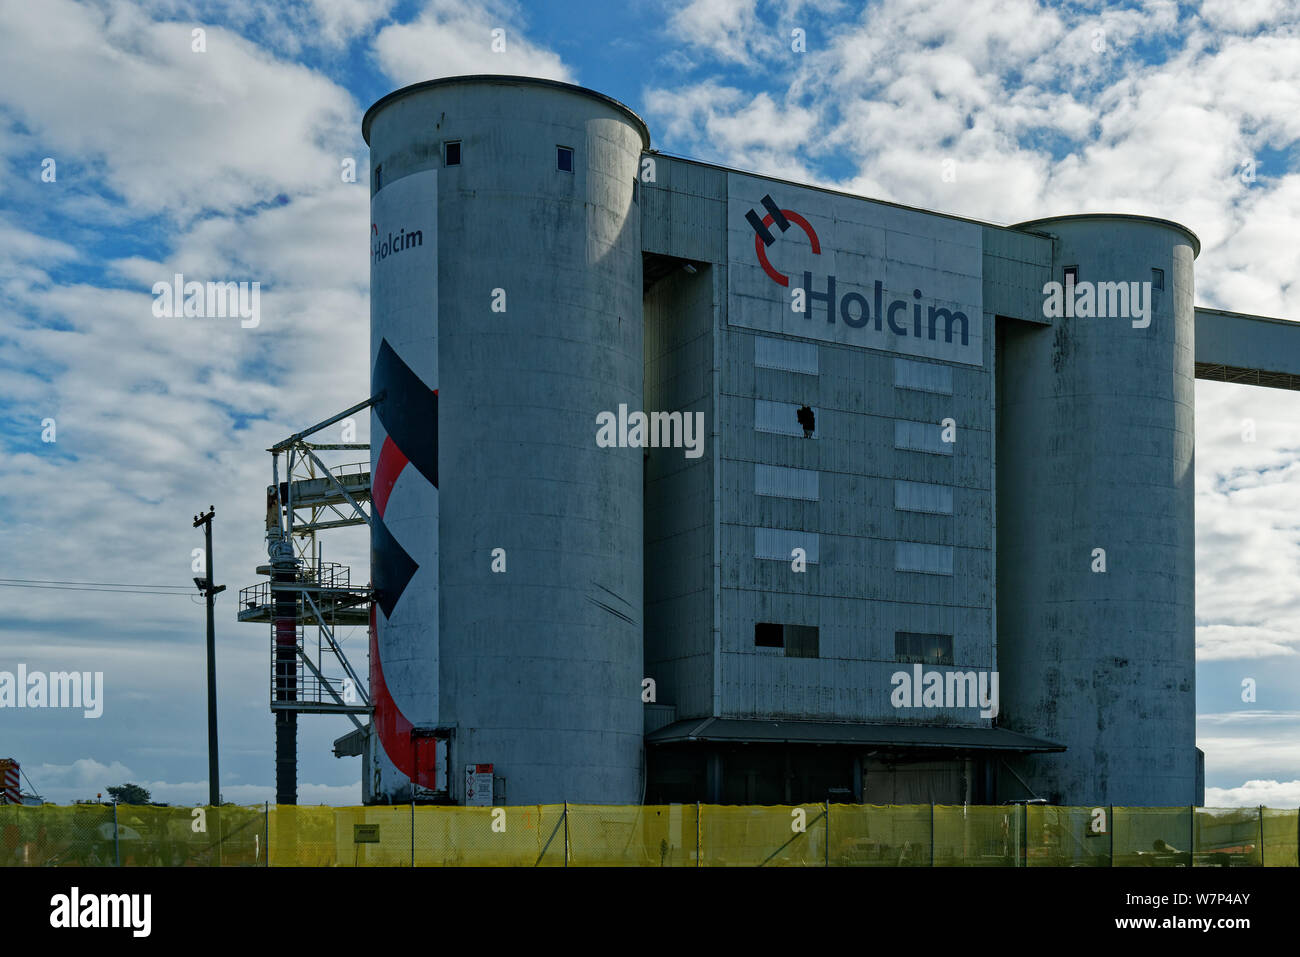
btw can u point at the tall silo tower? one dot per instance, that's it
(506, 545)
(1095, 531)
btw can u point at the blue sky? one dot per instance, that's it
(227, 163)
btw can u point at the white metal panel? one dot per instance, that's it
(785, 354)
(778, 543)
(921, 437)
(782, 417)
(922, 497)
(923, 376)
(782, 482)
(916, 557)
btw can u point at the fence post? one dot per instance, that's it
(1261, 835)
(828, 832)
(1111, 810)
(932, 834)
(1024, 839)
(412, 829)
(697, 833)
(1191, 836)
(566, 833)
(117, 849)
(266, 830)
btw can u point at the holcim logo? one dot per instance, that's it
(853, 308)
(781, 218)
(393, 243)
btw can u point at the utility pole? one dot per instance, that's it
(210, 592)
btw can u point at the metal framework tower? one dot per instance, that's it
(305, 592)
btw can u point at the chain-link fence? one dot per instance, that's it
(671, 835)
(97, 835)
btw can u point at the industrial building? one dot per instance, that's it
(691, 484)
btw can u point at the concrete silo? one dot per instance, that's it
(1095, 444)
(507, 547)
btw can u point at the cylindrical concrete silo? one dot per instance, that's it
(510, 562)
(1095, 443)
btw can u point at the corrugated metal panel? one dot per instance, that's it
(781, 482)
(922, 497)
(778, 543)
(1016, 265)
(915, 557)
(921, 437)
(782, 418)
(924, 376)
(785, 354)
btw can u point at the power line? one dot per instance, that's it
(110, 591)
(54, 581)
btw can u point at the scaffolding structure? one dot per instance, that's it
(304, 592)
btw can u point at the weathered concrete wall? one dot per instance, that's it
(680, 543)
(540, 667)
(1095, 440)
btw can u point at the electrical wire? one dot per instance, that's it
(53, 581)
(110, 591)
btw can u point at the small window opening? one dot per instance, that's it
(451, 153)
(564, 159)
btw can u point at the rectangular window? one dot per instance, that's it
(922, 497)
(920, 649)
(920, 437)
(379, 178)
(1071, 276)
(635, 190)
(451, 153)
(564, 159)
(1157, 279)
(926, 559)
(799, 641)
(922, 376)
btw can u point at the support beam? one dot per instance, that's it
(1253, 350)
(299, 436)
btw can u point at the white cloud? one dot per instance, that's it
(1272, 794)
(341, 20)
(451, 37)
(729, 29)
(165, 128)
(1244, 16)
(1247, 547)
(86, 778)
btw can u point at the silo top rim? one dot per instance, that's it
(503, 79)
(1133, 217)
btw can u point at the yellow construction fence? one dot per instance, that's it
(672, 835)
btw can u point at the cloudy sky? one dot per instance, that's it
(228, 162)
